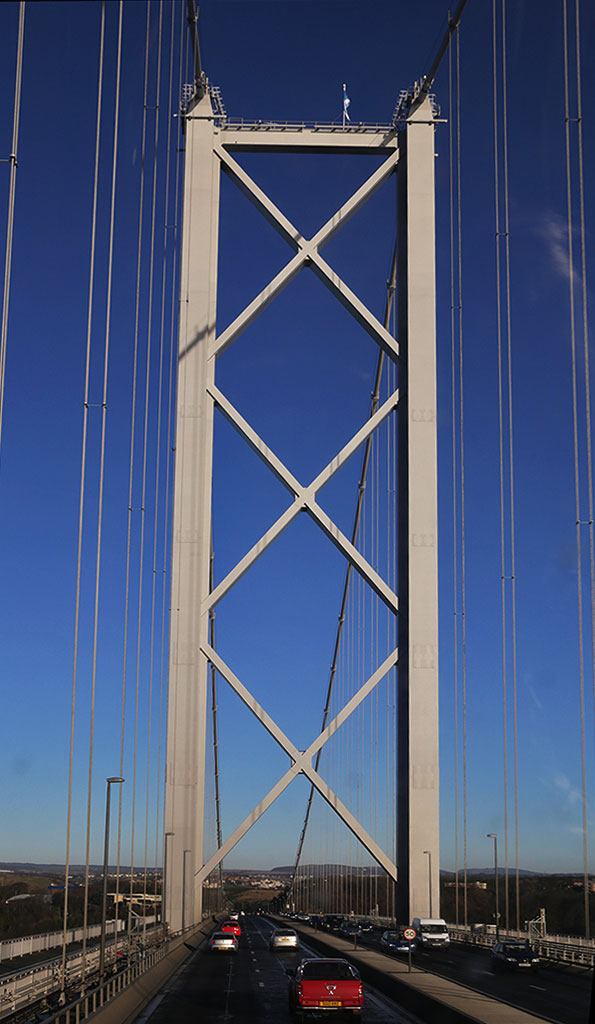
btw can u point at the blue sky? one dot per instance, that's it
(306, 390)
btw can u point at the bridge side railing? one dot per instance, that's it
(27, 944)
(563, 948)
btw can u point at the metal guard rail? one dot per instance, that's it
(570, 950)
(82, 1008)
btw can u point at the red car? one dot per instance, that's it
(231, 926)
(319, 985)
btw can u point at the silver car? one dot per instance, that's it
(284, 938)
(223, 942)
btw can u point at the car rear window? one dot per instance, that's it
(323, 970)
(285, 931)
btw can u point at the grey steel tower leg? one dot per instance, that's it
(417, 800)
(187, 696)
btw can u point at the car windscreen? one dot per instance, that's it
(516, 947)
(392, 936)
(433, 929)
(324, 971)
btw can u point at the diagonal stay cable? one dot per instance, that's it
(354, 534)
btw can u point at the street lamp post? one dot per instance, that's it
(429, 853)
(184, 890)
(493, 835)
(110, 781)
(167, 835)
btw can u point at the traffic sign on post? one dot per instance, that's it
(409, 934)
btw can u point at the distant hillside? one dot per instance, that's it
(25, 867)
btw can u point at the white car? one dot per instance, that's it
(223, 942)
(284, 938)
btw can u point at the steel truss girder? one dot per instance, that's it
(301, 764)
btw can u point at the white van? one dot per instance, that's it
(431, 931)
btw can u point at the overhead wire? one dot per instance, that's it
(503, 576)
(161, 470)
(576, 445)
(354, 536)
(454, 457)
(82, 489)
(131, 480)
(585, 293)
(13, 160)
(511, 489)
(461, 468)
(146, 450)
(101, 475)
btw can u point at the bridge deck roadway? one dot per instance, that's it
(251, 988)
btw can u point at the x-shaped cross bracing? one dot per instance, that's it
(307, 253)
(304, 499)
(301, 764)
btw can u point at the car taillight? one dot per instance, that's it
(300, 992)
(360, 993)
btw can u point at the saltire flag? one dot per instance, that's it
(346, 102)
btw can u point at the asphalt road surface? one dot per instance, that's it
(246, 988)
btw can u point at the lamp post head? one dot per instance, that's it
(115, 779)
(428, 851)
(492, 835)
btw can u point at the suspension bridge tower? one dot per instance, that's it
(407, 151)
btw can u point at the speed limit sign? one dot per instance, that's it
(409, 934)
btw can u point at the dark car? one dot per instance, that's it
(513, 956)
(366, 925)
(349, 929)
(332, 922)
(395, 942)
